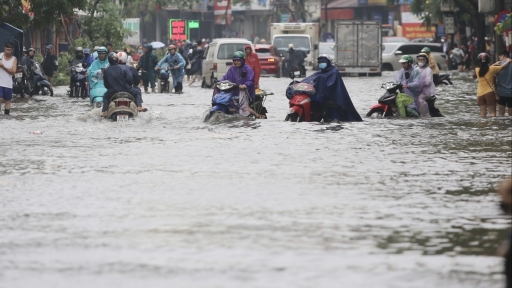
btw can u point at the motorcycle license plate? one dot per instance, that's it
(18, 75)
(122, 118)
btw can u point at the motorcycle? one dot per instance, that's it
(20, 82)
(224, 102)
(122, 107)
(302, 108)
(164, 80)
(78, 81)
(97, 89)
(443, 78)
(386, 106)
(41, 84)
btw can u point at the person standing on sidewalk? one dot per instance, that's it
(8, 66)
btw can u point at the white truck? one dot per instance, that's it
(358, 48)
(303, 36)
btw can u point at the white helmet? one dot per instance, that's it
(326, 57)
(123, 57)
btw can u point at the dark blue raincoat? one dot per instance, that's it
(330, 88)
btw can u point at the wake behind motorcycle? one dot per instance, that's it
(387, 105)
(122, 107)
(78, 81)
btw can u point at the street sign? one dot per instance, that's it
(449, 26)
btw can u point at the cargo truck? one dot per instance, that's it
(358, 48)
(303, 36)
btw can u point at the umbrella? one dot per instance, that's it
(157, 44)
(12, 34)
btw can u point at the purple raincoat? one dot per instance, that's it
(235, 75)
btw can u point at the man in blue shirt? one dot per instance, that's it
(504, 86)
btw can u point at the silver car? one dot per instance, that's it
(392, 52)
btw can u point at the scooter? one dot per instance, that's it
(164, 80)
(224, 101)
(386, 106)
(41, 84)
(443, 78)
(78, 81)
(97, 89)
(20, 82)
(122, 107)
(302, 108)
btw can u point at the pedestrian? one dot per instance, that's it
(504, 85)
(256, 39)
(148, 63)
(196, 63)
(486, 98)
(467, 58)
(505, 251)
(252, 60)
(8, 66)
(50, 63)
(458, 55)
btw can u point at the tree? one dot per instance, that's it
(468, 12)
(45, 12)
(104, 23)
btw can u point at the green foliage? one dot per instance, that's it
(61, 77)
(103, 23)
(500, 27)
(46, 12)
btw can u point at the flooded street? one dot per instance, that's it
(167, 200)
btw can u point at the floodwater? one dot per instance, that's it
(169, 201)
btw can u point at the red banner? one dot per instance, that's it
(338, 14)
(219, 9)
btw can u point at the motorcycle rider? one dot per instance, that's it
(242, 75)
(95, 71)
(116, 79)
(252, 60)
(177, 63)
(50, 63)
(79, 56)
(296, 59)
(407, 74)
(135, 90)
(422, 87)
(88, 59)
(147, 63)
(432, 64)
(331, 91)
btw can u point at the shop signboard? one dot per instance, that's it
(177, 29)
(132, 24)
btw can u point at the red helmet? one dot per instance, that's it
(123, 57)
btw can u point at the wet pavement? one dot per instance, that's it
(169, 200)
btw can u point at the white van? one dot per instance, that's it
(217, 57)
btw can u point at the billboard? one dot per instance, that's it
(132, 24)
(219, 9)
(253, 5)
(177, 29)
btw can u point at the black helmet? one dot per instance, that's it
(483, 57)
(112, 58)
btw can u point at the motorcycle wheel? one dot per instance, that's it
(294, 117)
(46, 90)
(203, 84)
(278, 75)
(380, 112)
(207, 118)
(162, 86)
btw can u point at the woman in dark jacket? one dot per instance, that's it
(147, 63)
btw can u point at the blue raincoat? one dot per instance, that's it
(95, 74)
(171, 60)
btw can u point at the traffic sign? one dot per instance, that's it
(449, 25)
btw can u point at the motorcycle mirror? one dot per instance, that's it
(244, 73)
(407, 75)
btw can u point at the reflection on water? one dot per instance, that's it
(380, 203)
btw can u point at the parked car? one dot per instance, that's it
(270, 63)
(218, 57)
(423, 40)
(394, 39)
(393, 51)
(328, 49)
